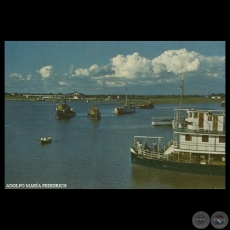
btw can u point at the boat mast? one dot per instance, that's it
(126, 95)
(182, 90)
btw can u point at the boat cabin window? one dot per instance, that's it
(189, 123)
(221, 139)
(205, 138)
(188, 137)
(193, 114)
(209, 117)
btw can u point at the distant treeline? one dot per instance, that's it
(113, 96)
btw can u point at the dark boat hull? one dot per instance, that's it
(46, 142)
(93, 117)
(216, 170)
(120, 111)
(65, 115)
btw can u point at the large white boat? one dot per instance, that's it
(197, 145)
(126, 109)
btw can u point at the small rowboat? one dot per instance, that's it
(45, 140)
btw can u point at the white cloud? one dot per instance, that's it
(16, 76)
(177, 61)
(131, 65)
(133, 70)
(137, 70)
(28, 77)
(62, 83)
(81, 71)
(112, 83)
(46, 71)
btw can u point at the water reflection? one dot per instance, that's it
(150, 178)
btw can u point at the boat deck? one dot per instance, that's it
(183, 157)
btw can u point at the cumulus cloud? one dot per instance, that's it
(131, 66)
(28, 77)
(46, 71)
(177, 61)
(133, 70)
(16, 76)
(111, 83)
(94, 71)
(81, 72)
(166, 68)
(62, 83)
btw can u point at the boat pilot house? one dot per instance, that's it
(205, 132)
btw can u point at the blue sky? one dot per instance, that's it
(107, 67)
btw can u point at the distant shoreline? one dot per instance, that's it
(193, 100)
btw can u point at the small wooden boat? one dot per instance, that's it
(45, 140)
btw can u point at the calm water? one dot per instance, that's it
(88, 154)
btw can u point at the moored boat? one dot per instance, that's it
(168, 121)
(162, 121)
(94, 113)
(148, 105)
(126, 109)
(63, 111)
(197, 145)
(45, 140)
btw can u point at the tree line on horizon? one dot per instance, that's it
(113, 96)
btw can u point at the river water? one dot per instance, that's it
(87, 154)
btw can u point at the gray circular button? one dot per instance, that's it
(219, 220)
(201, 220)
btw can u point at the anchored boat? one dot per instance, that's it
(126, 109)
(45, 140)
(148, 105)
(162, 121)
(197, 145)
(94, 113)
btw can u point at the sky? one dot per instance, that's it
(108, 67)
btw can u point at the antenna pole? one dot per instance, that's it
(126, 96)
(182, 90)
